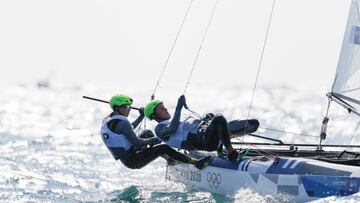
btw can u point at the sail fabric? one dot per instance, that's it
(347, 78)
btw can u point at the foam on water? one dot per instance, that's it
(50, 148)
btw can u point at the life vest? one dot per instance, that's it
(113, 141)
(189, 125)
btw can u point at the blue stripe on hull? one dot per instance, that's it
(221, 163)
(243, 165)
(284, 166)
(247, 165)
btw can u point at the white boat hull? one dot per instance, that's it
(265, 178)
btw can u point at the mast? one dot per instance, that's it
(345, 89)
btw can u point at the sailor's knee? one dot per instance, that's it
(255, 123)
(219, 118)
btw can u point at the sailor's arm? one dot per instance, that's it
(139, 119)
(136, 122)
(126, 129)
(163, 131)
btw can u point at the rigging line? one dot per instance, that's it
(260, 62)
(196, 114)
(351, 90)
(262, 56)
(261, 151)
(139, 128)
(200, 47)
(172, 49)
(357, 127)
(287, 132)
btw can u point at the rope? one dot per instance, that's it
(139, 128)
(171, 50)
(357, 127)
(263, 152)
(195, 113)
(260, 62)
(287, 132)
(261, 57)
(281, 131)
(199, 50)
(351, 90)
(267, 153)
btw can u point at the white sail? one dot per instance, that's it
(346, 85)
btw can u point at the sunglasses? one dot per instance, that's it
(127, 107)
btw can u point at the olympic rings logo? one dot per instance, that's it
(214, 179)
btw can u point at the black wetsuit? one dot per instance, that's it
(216, 131)
(137, 159)
(140, 154)
(208, 140)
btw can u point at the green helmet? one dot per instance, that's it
(119, 100)
(150, 108)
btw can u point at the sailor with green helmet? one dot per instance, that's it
(191, 133)
(177, 132)
(120, 138)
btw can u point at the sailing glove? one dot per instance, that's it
(181, 102)
(141, 111)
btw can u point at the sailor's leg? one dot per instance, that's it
(222, 131)
(166, 157)
(130, 160)
(211, 139)
(143, 157)
(165, 149)
(154, 152)
(242, 127)
(148, 155)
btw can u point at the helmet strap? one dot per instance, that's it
(156, 118)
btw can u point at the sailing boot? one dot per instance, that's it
(233, 156)
(236, 156)
(202, 163)
(220, 152)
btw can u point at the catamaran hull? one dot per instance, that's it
(299, 188)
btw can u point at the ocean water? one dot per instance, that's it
(51, 150)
